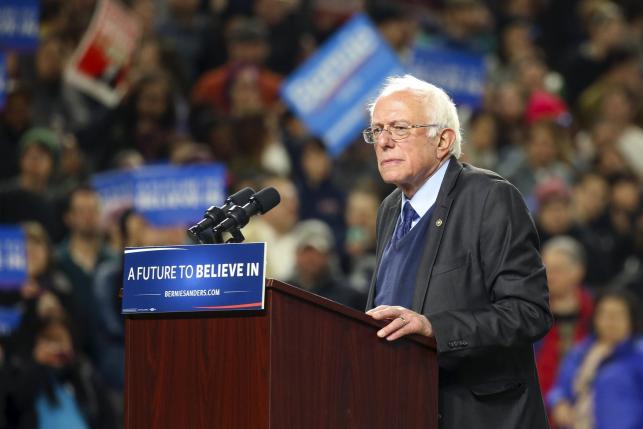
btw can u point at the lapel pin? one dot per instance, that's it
(438, 223)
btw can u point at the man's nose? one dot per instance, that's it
(384, 139)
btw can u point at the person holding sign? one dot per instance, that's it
(457, 260)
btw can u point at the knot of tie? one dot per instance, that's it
(408, 216)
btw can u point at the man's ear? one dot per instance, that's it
(445, 142)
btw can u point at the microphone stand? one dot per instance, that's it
(212, 236)
(237, 236)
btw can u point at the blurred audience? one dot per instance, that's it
(570, 303)
(599, 383)
(53, 386)
(79, 255)
(560, 115)
(131, 230)
(317, 268)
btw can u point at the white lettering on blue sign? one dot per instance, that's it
(200, 271)
(12, 255)
(345, 59)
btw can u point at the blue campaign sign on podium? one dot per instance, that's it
(190, 278)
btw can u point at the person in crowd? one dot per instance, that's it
(192, 35)
(53, 386)
(544, 157)
(590, 199)
(625, 200)
(482, 150)
(317, 265)
(600, 383)
(32, 195)
(457, 261)
(56, 104)
(570, 303)
(319, 196)
(465, 25)
(620, 108)
(145, 121)
(15, 120)
(277, 229)
(39, 152)
(508, 105)
(359, 241)
(622, 72)
(554, 210)
(46, 293)
(80, 254)
(605, 28)
(131, 230)
(157, 53)
(631, 276)
(286, 26)
(247, 50)
(396, 26)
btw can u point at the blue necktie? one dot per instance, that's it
(408, 216)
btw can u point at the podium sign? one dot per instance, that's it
(194, 278)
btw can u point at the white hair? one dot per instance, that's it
(567, 245)
(439, 106)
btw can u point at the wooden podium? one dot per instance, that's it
(302, 363)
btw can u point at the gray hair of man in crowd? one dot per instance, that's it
(439, 107)
(569, 246)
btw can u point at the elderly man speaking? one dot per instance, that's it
(457, 260)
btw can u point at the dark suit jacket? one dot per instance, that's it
(482, 285)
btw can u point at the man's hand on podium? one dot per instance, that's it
(402, 322)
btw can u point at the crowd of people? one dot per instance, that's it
(561, 117)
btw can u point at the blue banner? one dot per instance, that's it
(461, 74)
(206, 277)
(13, 257)
(3, 79)
(19, 25)
(330, 92)
(10, 318)
(166, 195)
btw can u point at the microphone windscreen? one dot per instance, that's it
(266, 199)
(242, 197)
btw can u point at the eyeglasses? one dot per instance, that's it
(398, 131)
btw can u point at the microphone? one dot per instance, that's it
(238, 216)
(214, 215)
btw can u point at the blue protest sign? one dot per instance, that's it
(166, 195)
(171, 195)
(3, 79)
(330, 92)
(206, 277)
(462, 75)
(13, 257)
(10, 318)
(116, 190)
(19, 25)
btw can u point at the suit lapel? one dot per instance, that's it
(384, 234)
(436, 227)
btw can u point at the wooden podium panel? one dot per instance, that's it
(303, 362)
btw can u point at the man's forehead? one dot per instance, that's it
(402, 103)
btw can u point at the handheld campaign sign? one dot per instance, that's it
(3, 79)
(13, 257)
(194, 278)
(166, 195)
(10, 318)
(461, 74)
(331, 90)
(19, 25)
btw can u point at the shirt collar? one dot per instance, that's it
(425, 197)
